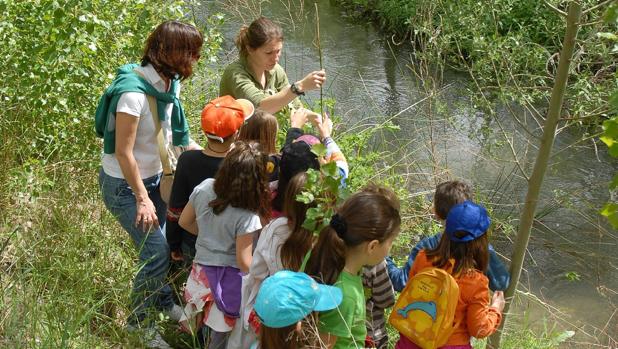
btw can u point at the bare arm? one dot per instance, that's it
(126, 131)
(188, 220)
(244, 244)
(276, 102)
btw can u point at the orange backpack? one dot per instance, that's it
(425, 310)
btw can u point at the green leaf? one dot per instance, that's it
(305, 197)
(330, 169)
(319, 149)
(610, 211)
(309, 224)
(563, 336)
(608, 36)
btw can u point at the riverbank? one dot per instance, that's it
(509, 47)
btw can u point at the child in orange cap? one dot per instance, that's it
(221, 122)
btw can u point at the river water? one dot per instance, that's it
(571, 266)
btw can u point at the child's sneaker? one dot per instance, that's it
(152, 337)
(155, 341)
(175, 313)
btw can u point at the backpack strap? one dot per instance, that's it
(163, 154)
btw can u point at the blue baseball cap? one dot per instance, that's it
(288, 297)
(467, 217)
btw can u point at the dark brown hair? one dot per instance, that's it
(467, 255)
(259, 32)
(242, 181)
(288, 337)
(262, 128)
(449, 194)
(300, 239)
(296, 157)
(171, 49)
(371, 214)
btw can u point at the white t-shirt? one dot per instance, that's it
(145, 149)
(266, 261)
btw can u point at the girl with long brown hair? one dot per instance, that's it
(282, 245)
(224, 212)
(360, 234)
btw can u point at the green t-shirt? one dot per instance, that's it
(238, 82)
(347, 321)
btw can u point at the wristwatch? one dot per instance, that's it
(295, 90)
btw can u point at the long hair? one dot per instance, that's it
(296, 157)
(371, 214)
(300, 239)
(242, 181)
(468, 256)
(449, 194)
(262, 128)
(259, 32)
(172, 47)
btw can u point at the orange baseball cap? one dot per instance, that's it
(223, 116)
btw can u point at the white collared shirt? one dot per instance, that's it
(145, 149)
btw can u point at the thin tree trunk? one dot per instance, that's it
(540, 165)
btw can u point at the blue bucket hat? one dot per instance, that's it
(467, 217)
(288, 297)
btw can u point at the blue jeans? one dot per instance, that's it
(150, 290)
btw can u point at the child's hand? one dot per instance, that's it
(298, 118)
(176, 256)
(497, 300)
(324, 126)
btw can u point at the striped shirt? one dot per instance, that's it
(379, 295)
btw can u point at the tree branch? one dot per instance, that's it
(557, 10)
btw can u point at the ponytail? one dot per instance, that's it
(259, 32)
(371, 214)
(328, 257)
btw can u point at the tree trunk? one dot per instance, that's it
(540, 165)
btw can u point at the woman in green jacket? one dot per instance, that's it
(257, 75)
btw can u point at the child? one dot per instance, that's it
(379, 296)
(447, 195)
(360, 233)
(297, 157)
(262, 128)
(224, 213)
(221, 120)
(463, 253)
(283, 305)
(282, 245)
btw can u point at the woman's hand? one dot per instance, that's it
(146, 214)
(497, 300)
(312, 81)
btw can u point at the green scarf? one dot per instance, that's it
(127, 80)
